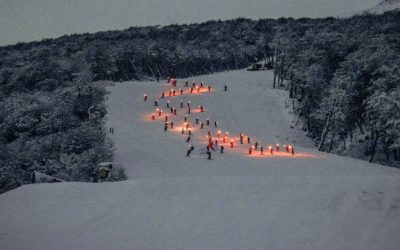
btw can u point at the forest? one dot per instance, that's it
(342, 76)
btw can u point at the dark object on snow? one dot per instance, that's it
(156, 103)
(201, 125)
(209, 155)
(188, 139)
(191, 148)
(222, 149)
(255, 67)
(225, 88)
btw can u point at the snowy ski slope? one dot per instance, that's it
(311, 200)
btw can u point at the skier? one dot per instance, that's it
(172, 125)
(188, 110)
(156, 103)
(190, 132)
(219, 134)
(166, 126)
(216, 143)
(209, 155)
(145, 97)
(209, 88)
(193, 84)
(201, 108)
(185, 118)
(201, 125)
(222, 149)
(167, 104)
(188, 139)
(191, 90)
(174, 92)
(162, 95)
(291, 149)
(159, 112)
(181, 91)
(231, 143)
(286, 148)
(271, 150)
(181, 104)
(186, 83)
(216, 124)
(250, 150)
(241, 138)
(248, 139)
(169, 93)
(174, 111)
(188, 104)
(261, 150)
(201, 84)
(166, 118)
(197, 120)
(153, 116)
(190, 149)
(208, 122)
(225, 88)
(277, 147)
(182, 131)
(171, 109)
(168, 79)
(256, 146)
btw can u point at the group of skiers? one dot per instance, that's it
(213, 145)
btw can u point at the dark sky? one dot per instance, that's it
(27, 20)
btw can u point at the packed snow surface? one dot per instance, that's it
(309, 200)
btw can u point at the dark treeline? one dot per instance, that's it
(342, 76)
(344, 79)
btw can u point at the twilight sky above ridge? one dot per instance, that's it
(28, 20)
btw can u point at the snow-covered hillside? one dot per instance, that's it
(380, 8)
(309, 200)
(385, 5)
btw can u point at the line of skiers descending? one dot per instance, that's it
(193, 88)
(212, 145)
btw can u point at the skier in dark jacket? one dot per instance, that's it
(222, 149)
(225, 88)
(156, 103)
(190, 149)
(145, 97)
